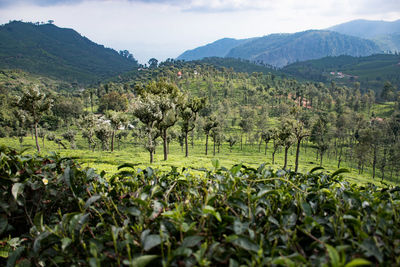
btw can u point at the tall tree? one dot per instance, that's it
(170, 99)
(188, 112)
(147, 110)
(117, 120)
(299, 132)
(35, 104)
(320, 135)
(286, 138)
(210, 123)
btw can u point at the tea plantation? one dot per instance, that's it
(54, 213)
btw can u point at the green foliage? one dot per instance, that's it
(371, 71)
(56, 213)
(56, 52)
(113, 101)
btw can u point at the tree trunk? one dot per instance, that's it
(285, 161)
(296, 163)
(165, 147)
(186, 145)
(374, 163)
(112, 140)
(273, 156)
(151, 156)
(241, 141)
(214, 146)
(340, 157)
(36, 137)
(206, 144)
(321, 155)
(265, 150)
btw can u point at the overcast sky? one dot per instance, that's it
(166, 28)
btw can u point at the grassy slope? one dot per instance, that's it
(136, 154)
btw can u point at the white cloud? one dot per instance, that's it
(161, 28)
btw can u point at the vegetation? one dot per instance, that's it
(371, 72)
(60, 53)
(56, 213)
(272, 207)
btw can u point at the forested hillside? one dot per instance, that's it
(63, 54)
(371, 72)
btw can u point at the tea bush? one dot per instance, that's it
(54, 213)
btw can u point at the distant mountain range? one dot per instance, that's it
(384, 33)
(355, 38)
(59, 53)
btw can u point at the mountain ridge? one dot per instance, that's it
(282, 49)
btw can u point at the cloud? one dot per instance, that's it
(5, 3)
(216, 6)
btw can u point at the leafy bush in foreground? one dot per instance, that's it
(55, 213)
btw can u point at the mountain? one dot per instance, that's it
(218, 48)
(371, 71)
(386, 34)
(390, 42)
(58, 53)
(368, 29)
(282, 49)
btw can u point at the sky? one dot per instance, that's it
(166, 28)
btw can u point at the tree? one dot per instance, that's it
(266, 136)
(70, 137)
(276, 143)
(147, 110)
(88, 124)
(320, 135)
(113, 101)
(35, 104)
(67, 107)
(232, 140)
(117, 120)
(153, 63)
(103, 132)
(210, 123)
(188, 112)
(388, 91)
(217, 136)
(170, 99)
(286, 138)
(299, 133)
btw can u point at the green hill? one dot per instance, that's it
(371, 71)
(58, 53)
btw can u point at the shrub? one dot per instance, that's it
(55, 213)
